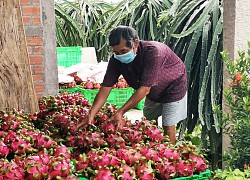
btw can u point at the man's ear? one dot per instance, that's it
(136, 43)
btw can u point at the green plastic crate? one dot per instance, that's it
(70, 90)
(116, 97)
(140, 105)
(68, 56)
(202, 176)
(82, 178)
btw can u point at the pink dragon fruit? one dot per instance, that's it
(199, 164)
(21, 147)
(150, 154)
(35, 169)
(9, 122)
(104, 174)
(116, 141)
(82, 162)
(126, 172)
(59, 169)
(131, 136)
(130, 156)
(120, 85)
(90, 140)
(166, 170)
(154, 134)
(42, 141)
(145, 172)
(12, 171)
(88, 85)
(44, 156)
(63, 152)
(101, 117)
(170, 154)
(184, 168)
(185, 150)
(97, 86)
(108, 127)
(4, 150)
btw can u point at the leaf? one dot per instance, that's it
(198, 23)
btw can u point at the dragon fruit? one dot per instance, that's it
(199, 163)
(101, 117)
(131, 136)
(130, 156)
(42, 141)
(107, 127)
(44, 156)
(35, 169)
(88, 85)
(145, 172)
(10, 123)
(62, 151)
(184, 168)
(120, 85)
(21, 147)
(11, 171)
(97, 86)
(154, 134)
(4, 150)
(126, 172)
(104, 174)
(116, 141)
(170, 154)
(82, 162)
(88, 139)
(59, 169)
(166, 170)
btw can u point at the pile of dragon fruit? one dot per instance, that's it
(46, 145)
(90, 84)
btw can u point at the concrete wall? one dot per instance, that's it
(39, 26)
(49, 38)
(236, 33)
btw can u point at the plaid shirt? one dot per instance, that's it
(155, 66)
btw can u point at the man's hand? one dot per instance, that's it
(84, 123)
(117, 118)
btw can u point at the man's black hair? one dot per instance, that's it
(129, 34)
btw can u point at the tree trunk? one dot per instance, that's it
(16, 85)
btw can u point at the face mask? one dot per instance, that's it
(126, 58)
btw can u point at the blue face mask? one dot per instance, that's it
(126, 58)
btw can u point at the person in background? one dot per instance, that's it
(154, 71)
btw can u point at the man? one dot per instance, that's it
(154, 71)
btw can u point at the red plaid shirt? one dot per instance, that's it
(155, 66)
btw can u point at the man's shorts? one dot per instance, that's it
(171, 113)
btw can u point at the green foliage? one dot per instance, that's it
(229, 174)
(237, 98)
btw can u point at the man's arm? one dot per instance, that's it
(132, 102)
(99, 100)
(135, 99)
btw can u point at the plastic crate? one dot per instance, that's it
(70, 90)
(202, 176)
(68, 56)
(140, 105)
(116, 97)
